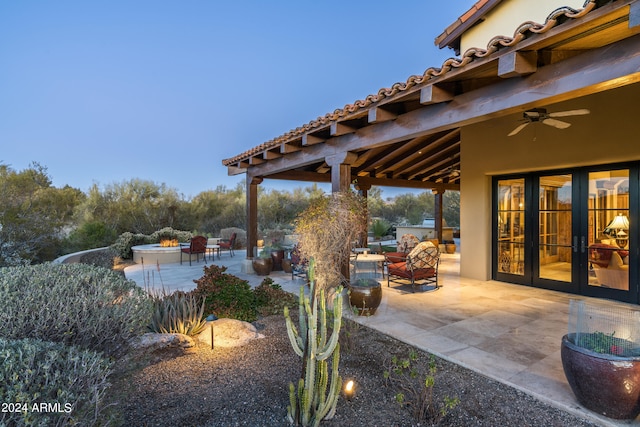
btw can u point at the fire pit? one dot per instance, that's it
(169, 243)
(156, 254)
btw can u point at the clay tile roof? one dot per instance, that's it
(523, 30)
(451, 35)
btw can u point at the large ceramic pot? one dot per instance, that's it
(604, 383)
(277, 255)
(262, 266)
(365, 296)
(286, 265)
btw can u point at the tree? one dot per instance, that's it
(137, 206)
(33, 215)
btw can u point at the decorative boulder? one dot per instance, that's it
(229, 333)
(154, 347)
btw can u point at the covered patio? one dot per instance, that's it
(465, 322)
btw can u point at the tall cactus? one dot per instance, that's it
(311, 403)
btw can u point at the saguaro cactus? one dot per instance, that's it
(311, 402)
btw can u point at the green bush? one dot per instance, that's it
(58, 385)
(126, 240)
(226, 295)
(91, 307)
(177, 313)
(380, 228)
(90, 235)
(272, 299)
(170, 233)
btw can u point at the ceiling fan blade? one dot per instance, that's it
(556, 123)
(580, 112)
(518, 129)
(534, 114)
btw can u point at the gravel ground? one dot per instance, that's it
(248, 386)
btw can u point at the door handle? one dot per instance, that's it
(575, 244)
(583, 244)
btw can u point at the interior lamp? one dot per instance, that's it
(618, 229)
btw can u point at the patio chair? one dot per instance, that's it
(197, 246)
(407, 242)
(227, 245)
(419, 267)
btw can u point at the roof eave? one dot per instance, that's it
(452, 34)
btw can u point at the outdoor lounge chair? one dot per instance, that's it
(419, 267)
(227, 245)
(198, 245)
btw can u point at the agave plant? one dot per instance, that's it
(177, 313)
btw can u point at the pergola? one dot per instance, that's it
(409, 135)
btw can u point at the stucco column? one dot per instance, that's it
(252, 213)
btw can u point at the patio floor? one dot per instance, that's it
(508, 332)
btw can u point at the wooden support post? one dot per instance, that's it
(252, 213)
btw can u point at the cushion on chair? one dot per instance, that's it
(407, 243)
(616, 262)
(424, 255)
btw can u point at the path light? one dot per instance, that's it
(211, 318)
(349, 389)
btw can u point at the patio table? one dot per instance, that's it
(211, 249)
(369, 259)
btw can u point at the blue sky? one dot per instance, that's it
(105, 91)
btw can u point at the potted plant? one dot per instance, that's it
(602, 369)
(286, 262)
(450, 246)
(275, 239)
(263, 263)
(365, 295)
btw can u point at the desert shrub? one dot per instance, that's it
(177, 313)
(126, 240)
(380, 228)
(90, 235)
(170, 233)
(272, 299)
(416, 388)
(91, 307)
(70, 381)
(226, 295)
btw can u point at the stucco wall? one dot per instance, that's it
(505, 18)
(607, 135)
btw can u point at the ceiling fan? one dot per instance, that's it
(541, 115)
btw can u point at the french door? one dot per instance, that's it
(571, 230)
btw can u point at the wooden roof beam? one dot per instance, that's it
(433, 94)
(584, 74)
(270, 155)
(338, 129)
(379, 115)
(256, 160)
(386, 182)
(516, 64)
(308, 139)
(288, 148)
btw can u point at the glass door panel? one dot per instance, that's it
(511, 226)
(555, 228)
(608, 232)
